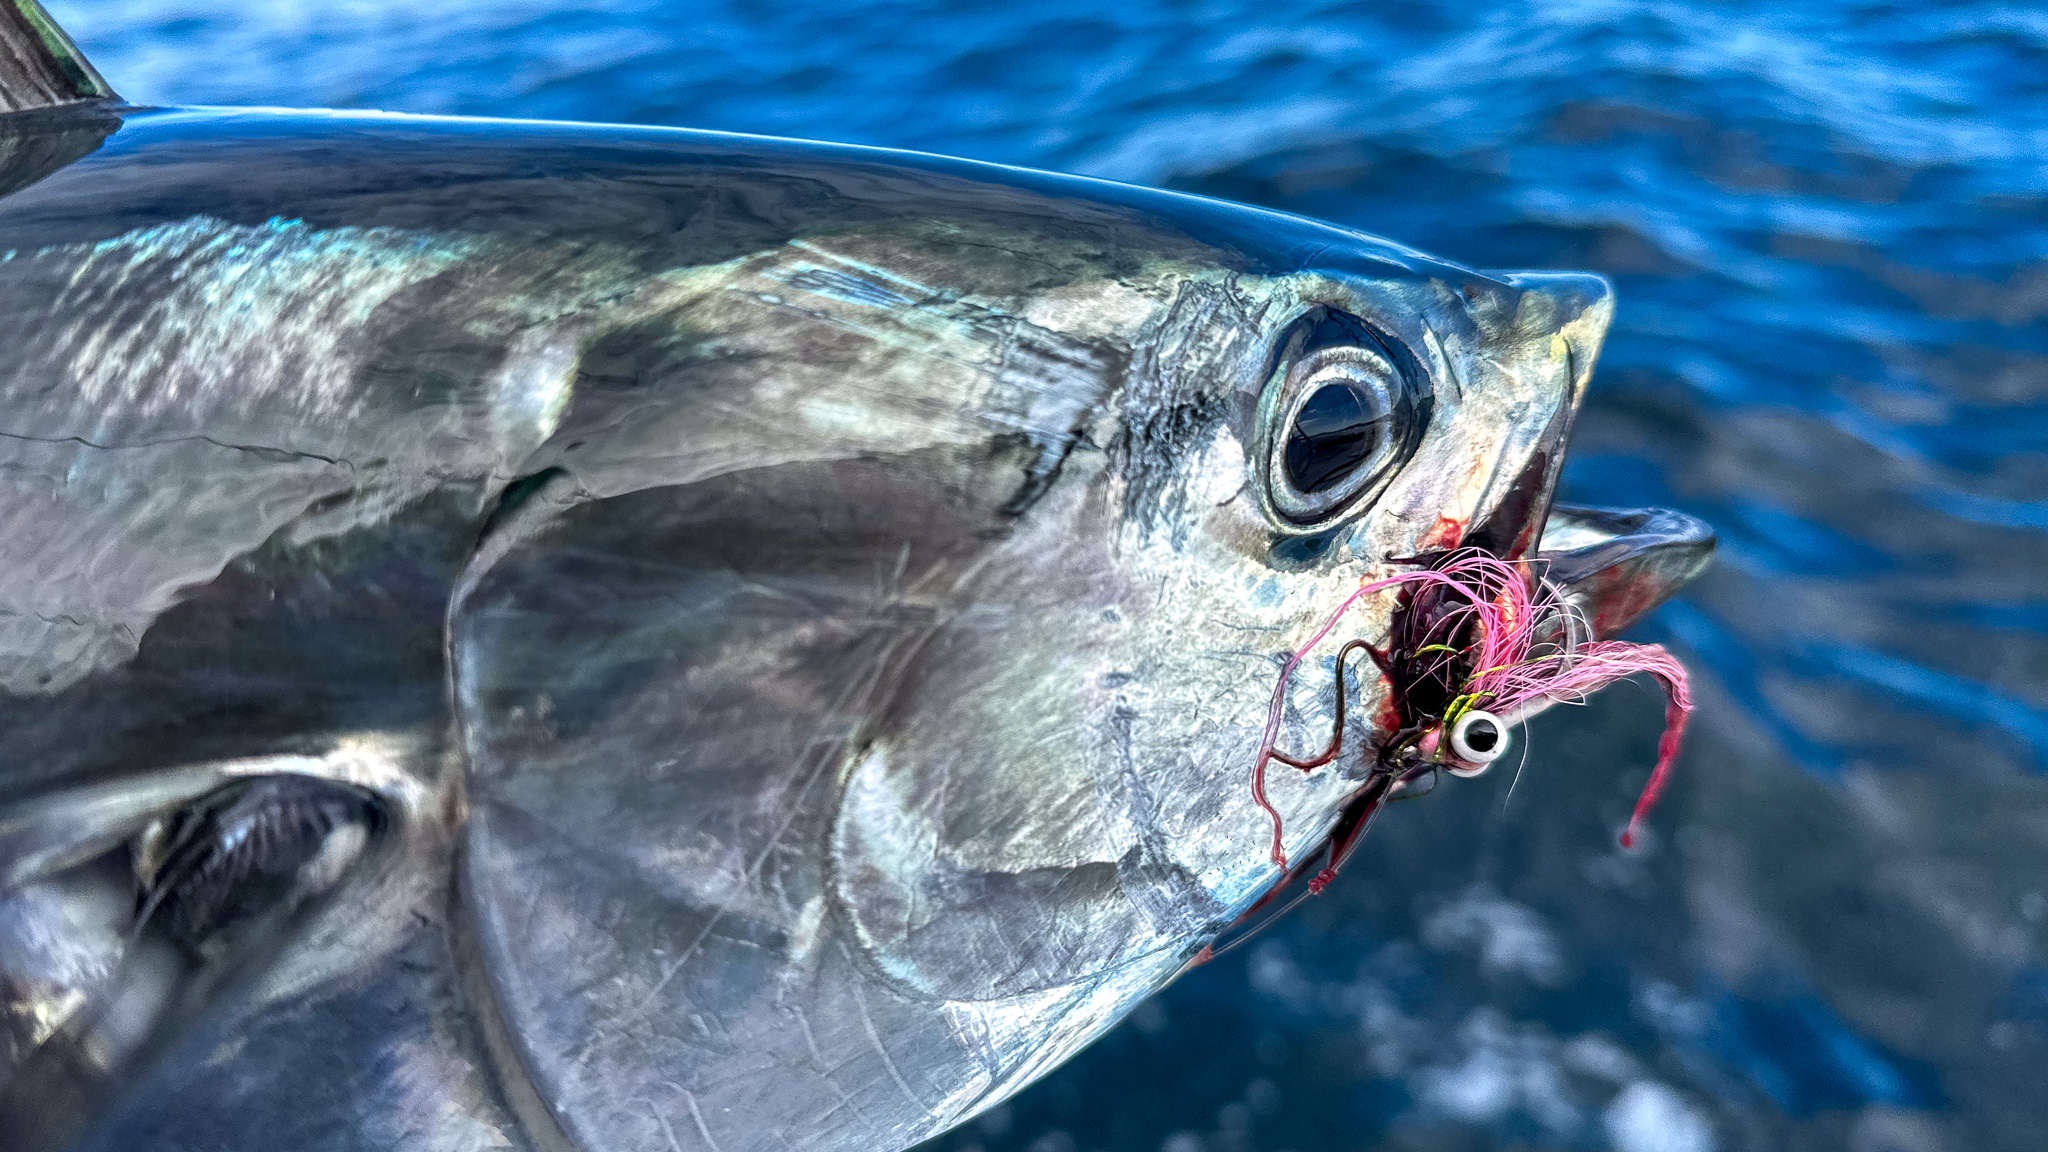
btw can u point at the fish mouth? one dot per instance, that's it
(1590, 574)
(1471, 614)
(1605, 567)
(1602, 567)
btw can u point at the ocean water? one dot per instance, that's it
(1828, 224)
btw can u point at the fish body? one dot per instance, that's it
(763, 641)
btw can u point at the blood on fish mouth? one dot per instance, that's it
(1471, 631)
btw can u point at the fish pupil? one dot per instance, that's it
(1334, 433)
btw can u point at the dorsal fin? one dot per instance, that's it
(39, 65)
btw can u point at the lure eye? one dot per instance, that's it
(1347, 414)
(1478, 739)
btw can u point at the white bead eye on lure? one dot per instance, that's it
(1477, 739)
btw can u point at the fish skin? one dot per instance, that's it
(809, 610)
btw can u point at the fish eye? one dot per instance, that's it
(1347, 417)
(1478, 739)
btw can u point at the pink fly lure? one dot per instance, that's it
(1521, 648)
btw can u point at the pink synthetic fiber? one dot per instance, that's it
(1510, 610)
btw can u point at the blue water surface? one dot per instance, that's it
(1828, 223)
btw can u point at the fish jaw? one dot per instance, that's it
(1617, 564)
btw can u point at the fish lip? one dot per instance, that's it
(1619, 563)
